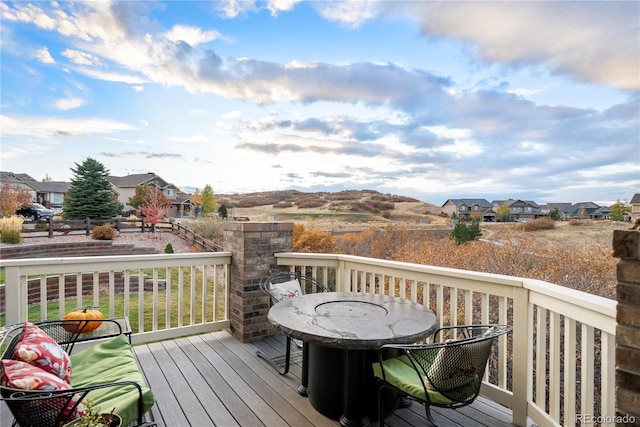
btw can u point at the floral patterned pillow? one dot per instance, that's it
(39, 349)
(284, 290)
(24, 376)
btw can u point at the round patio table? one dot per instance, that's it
(343, 331)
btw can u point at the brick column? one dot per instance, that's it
(626, 246)
(253, 245)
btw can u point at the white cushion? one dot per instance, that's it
(284, 290)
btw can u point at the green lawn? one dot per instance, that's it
(53, 308)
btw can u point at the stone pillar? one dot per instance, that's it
(253, 246)
(626, 246)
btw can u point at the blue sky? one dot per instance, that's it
(533, 100)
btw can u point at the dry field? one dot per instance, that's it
(564, 235)
(417, 215)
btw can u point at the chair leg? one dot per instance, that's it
(429, 417)
(287, 357)
(380, 406)
(272, 362)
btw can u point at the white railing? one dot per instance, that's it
(181, 293)
(557, 367)
(566, 336)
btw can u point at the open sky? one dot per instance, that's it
(532, 100)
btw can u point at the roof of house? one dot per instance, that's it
(52, 186)
(589, 208)
(635, 199)
(39, 186)
(136, 180)
(470, 202)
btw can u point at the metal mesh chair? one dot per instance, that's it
(270, 285)
(446, 373)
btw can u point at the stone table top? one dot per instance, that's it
(351, 320)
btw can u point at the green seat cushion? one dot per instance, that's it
(400, 373)
(111, 361)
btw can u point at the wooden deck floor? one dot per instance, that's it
(214, 380)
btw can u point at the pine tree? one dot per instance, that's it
(90, 194)
(222, 211)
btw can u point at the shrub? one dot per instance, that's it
(539, 224)
(40, 225)
(210, 228)
(463, 233)
(103, 232)
(283, 204)
(168, 249)
(575, 222)
(10, 229)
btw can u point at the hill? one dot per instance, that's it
(343, 211)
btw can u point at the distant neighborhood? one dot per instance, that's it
(52, 193)
(527, 210)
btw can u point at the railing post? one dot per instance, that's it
(253, 246)
(522, 350)
(626, 246)
(14, 296)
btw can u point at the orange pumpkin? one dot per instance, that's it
(87, 313)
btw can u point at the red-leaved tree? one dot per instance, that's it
(154, 205)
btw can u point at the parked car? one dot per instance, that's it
(57, 209)
(35, 212)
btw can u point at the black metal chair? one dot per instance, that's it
(287, 284)
(446, 373)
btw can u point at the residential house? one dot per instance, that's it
(585, 210)
(46, 193)
(125, 187)
(519, 209)
(468, 209)
(549, 208)
(635, 207)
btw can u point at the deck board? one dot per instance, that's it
(214, 380)
(241, 389)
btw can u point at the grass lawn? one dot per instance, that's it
(53, 308)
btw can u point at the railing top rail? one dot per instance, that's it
(405, 266)
(582, 299)
(110, 259)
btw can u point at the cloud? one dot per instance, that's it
(111, 76)
(143, 154)
(596, 41)
(233, 8)
(81, 58)
(68, 103)
(44, 56)
(46, 127)
(191, 35)
(350, 13)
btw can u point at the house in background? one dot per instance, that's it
(585, 210)
(635, 207)
(468, 209)
(549, 208)
(46, 193)
(125, 188)
(520, 209)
